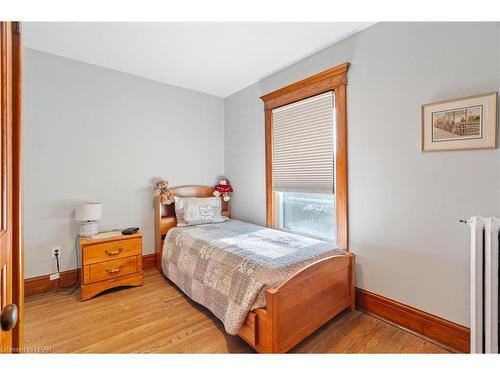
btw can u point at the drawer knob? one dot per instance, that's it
(114, 270)
(114, 252)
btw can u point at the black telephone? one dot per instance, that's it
(132, 230)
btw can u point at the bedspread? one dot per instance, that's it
(227, 267)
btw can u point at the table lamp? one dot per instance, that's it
(88, 214)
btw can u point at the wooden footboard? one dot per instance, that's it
(301, 305)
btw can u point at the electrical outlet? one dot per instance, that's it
(54, 276)
(56, 250)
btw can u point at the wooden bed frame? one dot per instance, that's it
(296, 308)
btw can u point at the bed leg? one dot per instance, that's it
(271, 345)
(352, 270)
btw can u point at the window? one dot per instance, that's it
(306, 157)
(303, 165)
(309, 214)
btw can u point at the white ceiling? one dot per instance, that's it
(215, 58)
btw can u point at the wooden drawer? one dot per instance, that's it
(111, 250)
(111, 269)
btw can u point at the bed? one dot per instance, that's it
(305, 294)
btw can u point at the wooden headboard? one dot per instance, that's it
(165, 213)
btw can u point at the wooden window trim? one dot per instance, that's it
(333, 79)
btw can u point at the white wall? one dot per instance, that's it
(404, 205)
(94, 134)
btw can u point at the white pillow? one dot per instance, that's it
(194, 211)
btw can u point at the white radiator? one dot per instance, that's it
(484, 284)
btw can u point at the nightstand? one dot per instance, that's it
(110, 262)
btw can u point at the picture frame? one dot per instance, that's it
(467, 123)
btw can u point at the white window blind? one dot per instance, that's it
(303, 146)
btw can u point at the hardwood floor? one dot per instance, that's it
(158, 318)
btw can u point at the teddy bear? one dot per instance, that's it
(224, 188)
(161, 190)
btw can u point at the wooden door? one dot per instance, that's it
(11, 270)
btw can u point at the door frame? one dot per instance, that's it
(17, 202)
(11, 220)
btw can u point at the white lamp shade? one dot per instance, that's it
(88, 211)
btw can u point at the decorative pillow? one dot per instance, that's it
(180, 206)
(194, 211)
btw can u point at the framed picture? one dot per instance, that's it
(460, 124)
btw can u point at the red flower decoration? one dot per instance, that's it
(224, 188)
